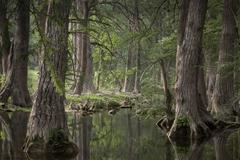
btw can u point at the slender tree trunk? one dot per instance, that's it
(210, 80)
(88, 85)
(99, 71)
(84, 42)
(224, 89)
(48, 117)
(20, 93)
(137, 47)
(129, 76)
(168, 95)
(4, 34)
(132, 74)
(189, 103)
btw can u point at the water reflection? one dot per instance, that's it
(13, 131)
(120, 137)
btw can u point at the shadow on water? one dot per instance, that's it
(120, 137)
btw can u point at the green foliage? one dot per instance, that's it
(3, 135)
(33, 76)
(182, 121)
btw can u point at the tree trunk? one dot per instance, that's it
(20, 93)
(224, 89)
(47, 124)
(129, 76)
(4, 34)
(84, 48)
(88, 85)
(189, 103)
(16, 82)
(168, 95)
(137, 47)
(132, 75)
(210, 80)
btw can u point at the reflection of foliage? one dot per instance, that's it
(2, 135)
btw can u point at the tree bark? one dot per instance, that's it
(84, 50)
(224, 89)
(88, 85)
(129, 76)
(4, 34)
(132, 74)
(48, 117)
(189, 103)
(168, 95)
(137, 86)
(20, 93)
(16, 82)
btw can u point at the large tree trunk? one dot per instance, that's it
(84, 47)
(4, 34)
(189, 102)
(16, 82)
(47, 123)
(224, 89)
(20, 93)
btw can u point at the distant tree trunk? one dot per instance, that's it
(20, 93)
(99, 72)
(137, 44)
(224, 89)
(189, 102)
(132, 74)
(88, 85)
(210, 80)
(168, 95)
(4, 34)
(48, 116)
(84, 50)
(129, 76)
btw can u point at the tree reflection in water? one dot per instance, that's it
(123, 136)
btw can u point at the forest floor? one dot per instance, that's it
(86, 104)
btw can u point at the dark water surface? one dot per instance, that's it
(119, 137)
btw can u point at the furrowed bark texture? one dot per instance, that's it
(188, 96)
(4, 34)
(48, 112)
(82, 53)
(223, 93)
(20, 93)
(16, 81)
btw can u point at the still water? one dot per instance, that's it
(120, 137)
